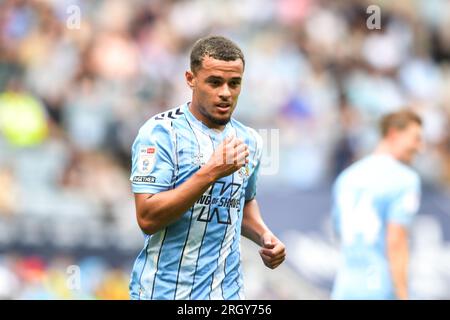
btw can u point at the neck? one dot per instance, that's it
(384, 148)
(195, 110)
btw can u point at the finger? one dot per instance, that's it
(278, 260)
(242, 151)
(279, 249)
(235, 156)
(238, 142)
(274, 263)
(241, 159)
(226, 141)
(229, 154)
(277, 265)
(272, 259)
(233, 150)
(241, 154)
(241, 148)
(273, 252)
(265, 260)
(267, 252)
(225, 154)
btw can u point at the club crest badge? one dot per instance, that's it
(147, 159)
(244, 172)
(197, 159)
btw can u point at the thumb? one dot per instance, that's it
(228, 139)
(267, 241)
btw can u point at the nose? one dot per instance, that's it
(225, 93)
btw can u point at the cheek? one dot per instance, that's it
(205, 94)
(235, 94)
(412, 143)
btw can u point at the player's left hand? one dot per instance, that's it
(273, 251)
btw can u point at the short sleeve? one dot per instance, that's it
(405, 205)
(152, 159)
(250, 190)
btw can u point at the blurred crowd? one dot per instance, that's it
(36, 278)
(78, 78)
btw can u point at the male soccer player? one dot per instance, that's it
(375, 200)
(194, 171)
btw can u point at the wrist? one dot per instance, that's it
(262, 234)
(205, 174)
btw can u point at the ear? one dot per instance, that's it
(190, 79)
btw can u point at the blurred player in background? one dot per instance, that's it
(194, 171)
(375, 200)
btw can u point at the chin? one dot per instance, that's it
(407, 160)
(222, 121)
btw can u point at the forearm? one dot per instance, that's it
(253, 226)
(164, 208)
(398, 261)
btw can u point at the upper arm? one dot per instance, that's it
(140, 199)
(152, 159)
(400, 214)
(405, 204)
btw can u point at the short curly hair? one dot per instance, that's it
(216, 47)
(398, 120)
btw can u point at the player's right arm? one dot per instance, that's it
(398, 256)
(156, 210)
(400, 216)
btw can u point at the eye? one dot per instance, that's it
(214, 82)
(234, 83)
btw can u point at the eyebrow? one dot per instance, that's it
(221, 78)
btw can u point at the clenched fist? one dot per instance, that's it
(230, 156)
(273, 251)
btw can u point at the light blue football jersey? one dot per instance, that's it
(198, 256)
(368, 195)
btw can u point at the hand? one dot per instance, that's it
(273, 250)
(230, 156)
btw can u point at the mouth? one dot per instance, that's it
(223, 107)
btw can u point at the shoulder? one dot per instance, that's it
(255, 137)
(161, 123)
(406, 176)
(351, 169)
(249, 134)
(353, 174)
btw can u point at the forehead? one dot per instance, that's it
(211, 66)
(414, 128)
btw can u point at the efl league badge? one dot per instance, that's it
(244, 172)
(147, 159)
(197, 159)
